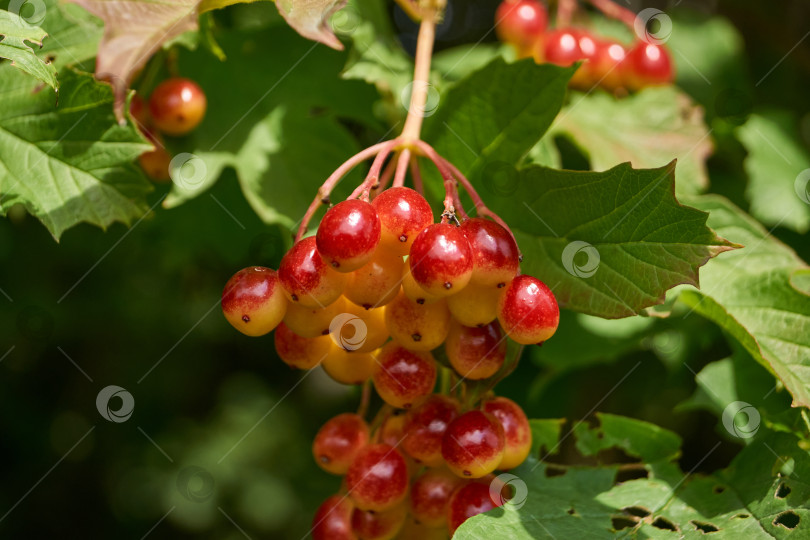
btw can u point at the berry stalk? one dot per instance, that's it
(402, 167)
(615, 11)
(421, 75)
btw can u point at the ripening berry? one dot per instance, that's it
(441, 259)
(348, 235)
(359, 329)
(300, 352)
(561, 47)
(339, 441)
(155, 163)
(312, 322)
(528, 311)
(417, 327)
(177, 106)
(475, 305)
(495, 253)
(425, 427)
(430, 496)
(473, 444)
(378, 478)
(404, 378)
(516, 430)
(414, 291)
(648, 64)
(607, 65)
(413, 530)
(467, 501)
(139, 112)
(377, 282)
(348, 367)
(306, 279)
(404, 213)
(370, 525)
(521, 23)
(253, 301)
(333, 519)
(476, 352)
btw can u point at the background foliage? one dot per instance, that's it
(138, 307)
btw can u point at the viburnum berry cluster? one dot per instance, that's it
(385, 296)
(175, 107)
(606, 62)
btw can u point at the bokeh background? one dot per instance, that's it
(218, 445)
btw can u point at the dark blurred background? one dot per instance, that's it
(219, 440)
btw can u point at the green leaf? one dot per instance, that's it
(750, 293)
(648, 129)
(484, 123)
(70, 163)
(775, 160)
(74, 36)
(16, 34)
(609, 243)
(749, 499)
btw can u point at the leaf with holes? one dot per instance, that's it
(760, 295)
(608, 243)
(68, 163)
(16, 35)
(644, 493)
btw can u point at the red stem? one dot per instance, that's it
(387, 174)
(326, 189)
(452, 202)
(416, 176)
(565, 12)
(373, 177)
(402, 168)
(615, 11)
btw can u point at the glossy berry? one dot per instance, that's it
(348, 367)
(561, 47)
(333, 519)
(516, 430)
(473, 444)
(306, 279)
(253, 301)
(418, 327)
(607, 66)
(403, 378)
(467, 501)
(521, 23)
(348, 235)
(495, 253)
(430, 496)
(377, 282)
(414, 292)
(378, 478)
(339, 441)
(403, 213)
(528, 311)
(425, 427)
(359, 329)
(392, 430)
(475, 305)
(648, 64)
(312, 322)
(369, 525)
(441, 259)
(476, 352)
(299, 352)
(177, 106)
(139, 112)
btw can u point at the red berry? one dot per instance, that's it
(155, 163)
(516, 430)
(495, 253)
(528, 311)
(402, 377)
(430, 495)
(177, 106)
(425, 427)
(299, 352)
(369, 525)
(521, 23)
(306, 279)
(339, 441)
(473, 444)
(562, 47)
(333, 520)
(348, 235)
(378, 478)
(648, 64)
(403, 213)
(476, 352)
(441, 259)
(253, 301)
(467, 501)
(607, 66)
(140, 113)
